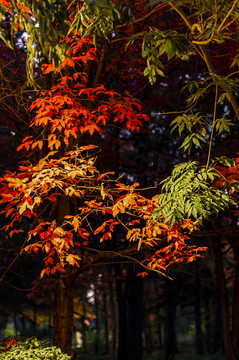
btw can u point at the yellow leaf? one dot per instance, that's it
(72, 259)
(23, 208)
(75, 223)
(37, 200)
(73, 173)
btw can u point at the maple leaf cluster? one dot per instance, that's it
(35, 188)
(94, 203)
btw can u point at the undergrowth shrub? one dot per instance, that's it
(31, 348)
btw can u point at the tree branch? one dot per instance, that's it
(206, 58)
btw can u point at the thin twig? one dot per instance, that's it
(213, 124)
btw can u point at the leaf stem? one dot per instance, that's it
(213, 124)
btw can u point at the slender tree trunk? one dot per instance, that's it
(15, 323)
(113, 320)
(228, 341)
(23, 325)
(97, 329)
(158, 309)
(106, 327)
(147, 329)
(198, 317)
(135, 315)
(50, 325)
(207, 320)
(170, 331)
(64, 295)
(148, 334)
(83, 327)
(34, 319)
(235, 304)
(122, 315)
(64, 314)
(218, 335)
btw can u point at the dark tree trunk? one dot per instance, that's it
(64, 295)
(97, 329)
(50, 325)
(198, 317)
(158, 309)
(64, 314)
(170, 330)
(106, 327)
(34, 320)
(134, 291)
(228, 340)
(235, 304)
(122, 315)
(113, 320)
(23, 324)
(15, 323)
(83, 327)
(218, 336)
(148, 334)
(207, 320)
(147, 328)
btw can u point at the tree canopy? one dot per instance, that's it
(86, 75)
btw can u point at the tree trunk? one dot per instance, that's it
(64, 295)
(228, 341)
(170, 331)
(34, 319)
(83, 327)
(207, 320)
(97, 328)
(159, 320)
(198, 317)
(113, 320)
(64, 314)
(122, 315)
(218, 335)
(106, 327)
(134, 291)
(235, 304)
(147, 334)
(50, 326)
(15, 323)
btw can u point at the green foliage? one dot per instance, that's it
(156, 43)
(43, 37)
(189, 193)
(199, 127)
(47, 22)
(30, 349)
(99, 17)
(197, 89)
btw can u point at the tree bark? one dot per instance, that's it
(122, 315)
(64, 314)
(83, 327)
(218, 335)
(97, 328)
(134, 291)
(170, 331)
(235, 306)
(228, 340)
(106, 327)
(198, 317)
(207, 320)
(113, 320)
